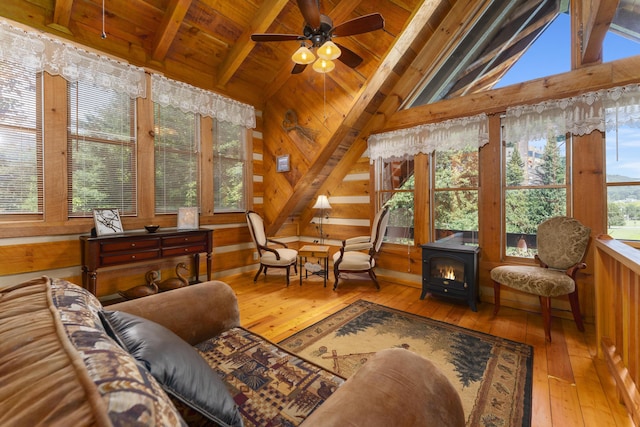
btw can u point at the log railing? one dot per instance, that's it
(617, 281)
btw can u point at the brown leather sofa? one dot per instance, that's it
(60, 364)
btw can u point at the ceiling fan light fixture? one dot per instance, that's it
(303, 55)
(323, 65)
(329, 50)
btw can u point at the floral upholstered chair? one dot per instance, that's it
(562, 243)
(270, 257)
(358, 254)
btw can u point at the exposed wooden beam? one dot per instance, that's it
(267, 13)
(176, 11)
(596, 19)
(349, 129)
(572, 83)
(62, 15)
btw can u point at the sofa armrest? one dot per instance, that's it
(395, 388)
(195, 313)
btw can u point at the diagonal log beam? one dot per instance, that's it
(267, 13)
(361, 101)
(596, 19)
(168, 29)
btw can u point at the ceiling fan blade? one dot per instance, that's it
(349, 57)
(362, 24)
(268, 37)
(310, 12)
(298, 68)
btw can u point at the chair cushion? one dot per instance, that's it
(287, 257)
(535, 280)
(354, 261)
(562, 242)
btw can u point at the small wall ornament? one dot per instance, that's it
(283, 163)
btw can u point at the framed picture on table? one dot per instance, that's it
(107, 221)
(188, 219)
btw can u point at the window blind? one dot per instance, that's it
(102, 150)
(229, 164)
(177, 153)
(21, 170)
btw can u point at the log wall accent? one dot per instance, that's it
(617, 277)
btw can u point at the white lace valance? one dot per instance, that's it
(39, 52)
(454, 134)
(579, 115)
(192, 99)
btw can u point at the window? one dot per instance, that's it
(455, 194)
(102, 150)
(229, 164)
(396, 189)
(535, 187)
(177, 158)
(21, 170)
(623, 181)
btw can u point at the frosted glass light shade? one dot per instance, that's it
(329, 50)
(323, 65)
(322, 203)
(303, 56)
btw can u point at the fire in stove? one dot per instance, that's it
(447, 272)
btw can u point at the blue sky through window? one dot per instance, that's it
(551, 53)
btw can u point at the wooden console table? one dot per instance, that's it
(131, 247)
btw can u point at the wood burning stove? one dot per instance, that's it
(450, 269)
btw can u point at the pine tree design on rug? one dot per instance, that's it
(492, 375)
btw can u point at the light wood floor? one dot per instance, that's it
(571, 387)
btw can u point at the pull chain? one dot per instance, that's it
(104, 34)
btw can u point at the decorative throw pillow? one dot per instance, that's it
(183, 373)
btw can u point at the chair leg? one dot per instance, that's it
(372, 274)
(545, 302)
(336, 274)
(575, 309)
(288, 272)
(496, 298)
(258, 273)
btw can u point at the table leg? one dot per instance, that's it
(326, 270)
(300, 258)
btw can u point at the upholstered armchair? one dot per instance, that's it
(358, 254)
(270, 257)
(562, 243)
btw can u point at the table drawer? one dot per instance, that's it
(123, 258)
(183, 240)
(184, 250)
(130, 246)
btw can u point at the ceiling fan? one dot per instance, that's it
(319, 31)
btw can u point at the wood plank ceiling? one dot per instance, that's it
(207, 43)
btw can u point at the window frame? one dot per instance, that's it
(504, 188)
(244, 158)
(130, 142)
(196, 143)
(38, 133)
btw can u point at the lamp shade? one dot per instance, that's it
(323, 65)
(329, 50)
(303, 56)
(322, 203)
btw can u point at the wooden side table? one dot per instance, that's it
(314, 251)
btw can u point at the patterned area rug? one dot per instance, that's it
(492, 375)
(270, 386)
